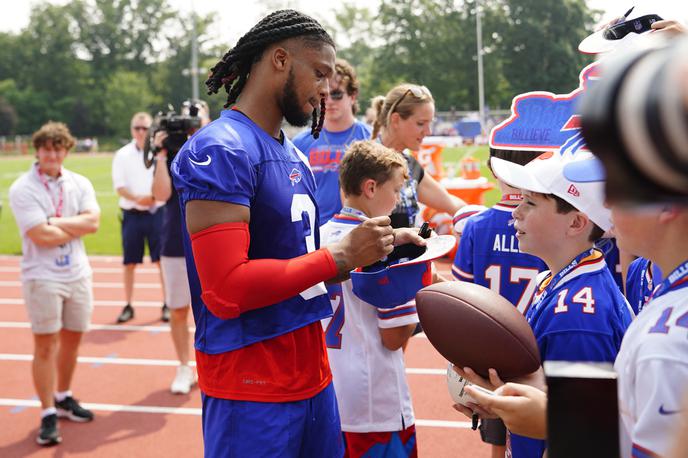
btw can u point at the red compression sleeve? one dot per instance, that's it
(233, 284)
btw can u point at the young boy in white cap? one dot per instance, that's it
(578, 312)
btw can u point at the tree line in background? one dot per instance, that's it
(92, 63)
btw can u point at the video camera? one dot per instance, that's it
(635, 119)
(178, 128)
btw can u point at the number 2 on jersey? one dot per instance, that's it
(333, 333)
(303, 210)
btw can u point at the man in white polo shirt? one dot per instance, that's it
(141, 222)
(54, 208)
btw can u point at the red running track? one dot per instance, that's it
(124, 373)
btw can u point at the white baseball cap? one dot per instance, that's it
(546, 175)
(624, 33)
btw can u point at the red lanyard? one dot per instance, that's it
(60, 197)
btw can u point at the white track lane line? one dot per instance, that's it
(98, 270)
(171, 362)
(98, 327)
(96, 303)
(8, 402)
(96, 284)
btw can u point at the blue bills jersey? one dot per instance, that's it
(579, 314)
(324, 156)
(488, 255)
(612, 258)
(233, 160)
(642, 277)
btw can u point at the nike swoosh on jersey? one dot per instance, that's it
(662, 411)
(206, 162)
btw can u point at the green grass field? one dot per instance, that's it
(97, 169)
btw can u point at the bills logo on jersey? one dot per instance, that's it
(573, 191)
(295, 176)
(543, 121)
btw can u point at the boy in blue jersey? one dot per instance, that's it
(339, 130)
(642, 278)
(247, 196)
(578, 313)
(489, 256)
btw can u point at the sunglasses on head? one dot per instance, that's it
(337, 94)
(140, 128)
(419, 92)
(637, 25)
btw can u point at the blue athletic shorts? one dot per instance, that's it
(137, 228)
(238, 429)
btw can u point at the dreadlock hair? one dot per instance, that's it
(232, 71)
(317, 125)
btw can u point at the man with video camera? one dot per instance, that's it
(140, 217)
(168, 134)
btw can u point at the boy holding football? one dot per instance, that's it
(489, 256)
(578, 312)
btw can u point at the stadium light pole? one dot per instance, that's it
(481, 83)
(194, 56)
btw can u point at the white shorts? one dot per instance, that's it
(177, 294)
(53, 305)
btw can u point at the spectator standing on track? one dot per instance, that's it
(172, 261)
(339, 130)
(141, 221)
(403, 119)
(54, 208)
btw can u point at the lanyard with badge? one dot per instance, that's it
(63, 258)
(675, 280)
(553, 283)
(57, 205)
(678, 277)
(646, 286)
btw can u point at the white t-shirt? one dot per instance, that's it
(369, 380)
(129, 172)
(32, 204)
(653, 375)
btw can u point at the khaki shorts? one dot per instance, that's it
(58, 305)
(177, 294)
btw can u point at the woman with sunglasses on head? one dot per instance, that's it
(402, 121)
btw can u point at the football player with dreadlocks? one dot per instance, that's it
(255, 268)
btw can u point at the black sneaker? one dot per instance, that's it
(70, 408)
(49, 434)
(165, 313)
(126, 315)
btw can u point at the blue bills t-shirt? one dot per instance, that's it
(324, 156)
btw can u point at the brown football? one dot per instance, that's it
(472, 326)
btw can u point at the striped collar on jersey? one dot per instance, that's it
(508, 202)
(349, 215)
(588, 261)
(677, 279)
